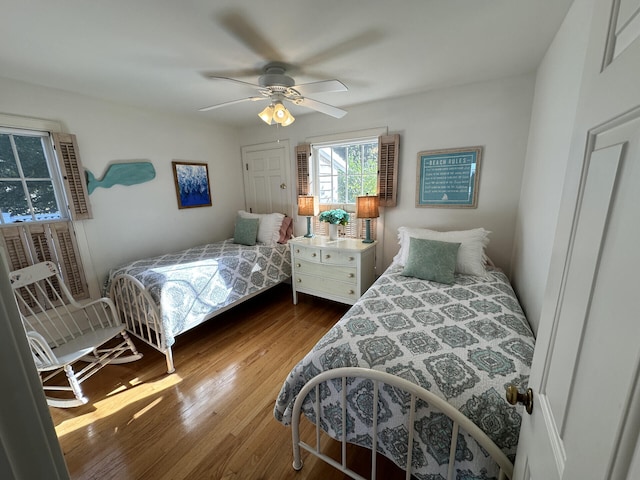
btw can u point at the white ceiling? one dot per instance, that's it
(153, 53)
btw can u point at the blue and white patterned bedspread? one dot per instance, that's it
(190, 285)
(464, 342)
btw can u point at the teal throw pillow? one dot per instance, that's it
(246, 230)
(431, 260)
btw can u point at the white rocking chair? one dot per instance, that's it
(62, 332)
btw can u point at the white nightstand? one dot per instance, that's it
(339, 270)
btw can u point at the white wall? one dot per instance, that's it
(140, 220)
(492, 114)
(554, 109)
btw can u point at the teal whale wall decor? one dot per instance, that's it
(130, 173)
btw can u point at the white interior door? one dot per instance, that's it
(586, 367)
(265, 169)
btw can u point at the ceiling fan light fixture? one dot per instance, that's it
(288, 120)
(267, 114)
(278, 113)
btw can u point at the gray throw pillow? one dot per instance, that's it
(246, 230)
(431, 260)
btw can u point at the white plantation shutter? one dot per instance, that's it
(356, 228)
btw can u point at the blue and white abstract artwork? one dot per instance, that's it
(192, 184)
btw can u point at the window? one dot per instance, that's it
(42, 187)
(339, 171)
(345, 170)
(29, 190)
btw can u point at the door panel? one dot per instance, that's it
(266, 178)
(586, 365)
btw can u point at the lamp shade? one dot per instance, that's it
(276, 112)
(267, 114)
(308, 206)
(367, 206)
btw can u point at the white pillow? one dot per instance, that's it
(268, 226)
(471, 257)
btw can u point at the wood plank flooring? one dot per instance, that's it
(212, 418)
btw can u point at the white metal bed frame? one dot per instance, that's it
(142, 318)
(416, 392)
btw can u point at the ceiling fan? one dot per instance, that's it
(277, 87)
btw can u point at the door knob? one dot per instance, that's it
(515, 396)
(283, 186)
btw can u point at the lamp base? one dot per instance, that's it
(367, 222)
(309, 234)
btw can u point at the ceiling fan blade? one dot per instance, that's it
(235, 80)
(322, 107)
(357, 42)
(237, 25)
(219, 105)
(320, 87)
(240, 72)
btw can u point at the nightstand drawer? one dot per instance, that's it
(314, 284)
(338, 258)
(306, 253)
(337, 272)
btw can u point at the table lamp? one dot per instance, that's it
(367, 208)
(308, 206)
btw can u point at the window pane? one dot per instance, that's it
(341, 192)
(8, 167)
(355, 159)
(370, 160)
(31, 155)
(369, 184)
(43, 199)
(14, 202)
(326, 189)
(353, 169)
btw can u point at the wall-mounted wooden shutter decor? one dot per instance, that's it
(75, 183)
(303, 152)
(388, 157)
(69, 262)
(15, 247)
(32, 243)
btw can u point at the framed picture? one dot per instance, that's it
(192, 184)
(448, 178)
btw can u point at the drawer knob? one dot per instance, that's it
(299, 280)
(327, 256)
(297, 250)
(351, 292)
(351, 275)
(351, 259)
(313, 254)
(298, 265)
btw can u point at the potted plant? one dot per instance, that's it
(334, 218)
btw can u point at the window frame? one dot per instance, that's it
(61, 241)
(387, 185)
(53, 167)
(315, 175)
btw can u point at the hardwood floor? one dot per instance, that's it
(212, 418)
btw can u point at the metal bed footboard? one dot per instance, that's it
(140, 314)
(416, 392)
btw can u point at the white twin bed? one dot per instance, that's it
(159, 298)
(463, 341)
